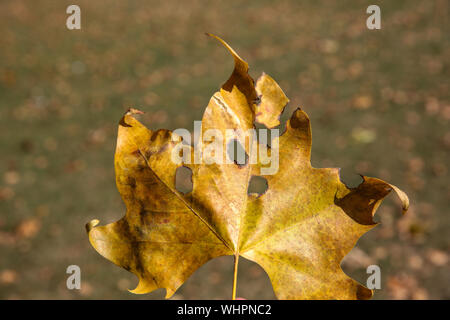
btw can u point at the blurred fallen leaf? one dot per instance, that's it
(362, 135)
(86, 289)
(404, 286)
(437, 257)
(11, 177)
(8, 276)
(362, 102)
(28, 228)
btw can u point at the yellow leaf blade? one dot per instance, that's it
(298, 230)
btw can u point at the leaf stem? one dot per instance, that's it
(236, 261)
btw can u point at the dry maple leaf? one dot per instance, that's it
(298, 230)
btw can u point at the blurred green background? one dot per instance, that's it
(379, 102)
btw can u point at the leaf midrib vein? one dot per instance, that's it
(184, 202)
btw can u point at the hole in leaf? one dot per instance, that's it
(265, 135)
(257, 185)
(351, 180)
(261, 129)
(237, 153)
(183, 180)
